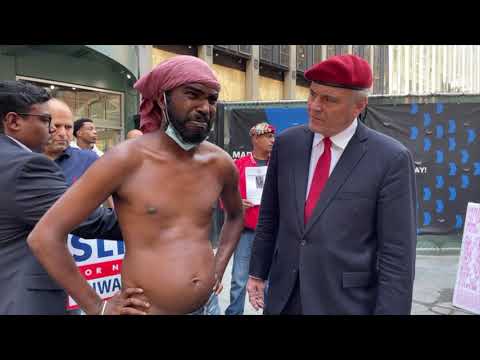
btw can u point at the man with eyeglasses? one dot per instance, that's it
(30, 184)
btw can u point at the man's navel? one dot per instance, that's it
(151, 210)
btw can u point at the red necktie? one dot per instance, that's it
(320, 177)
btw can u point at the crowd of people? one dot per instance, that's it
(330, 227)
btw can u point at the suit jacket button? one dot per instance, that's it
(303, 243)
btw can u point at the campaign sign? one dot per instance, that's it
(100, 262)
(466, 294)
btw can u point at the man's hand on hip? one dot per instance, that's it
(127, 302)
(218, 287)
(255, 289)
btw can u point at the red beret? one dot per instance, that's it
(346, 71)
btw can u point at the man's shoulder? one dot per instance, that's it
(211, 146)
(293, 132)
(30, 167)
(13, 155)
(383, 143)
(124, 156)
(222, 160)
(82, 153)
(8, 146)
(214, 149)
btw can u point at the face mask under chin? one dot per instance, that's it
(172, 132)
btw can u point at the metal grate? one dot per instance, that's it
(330, 50)
(284, 55)
(276, 54)
(245, 49)
(341, 49)
(317, 53)
(301, 58)
(266, 52)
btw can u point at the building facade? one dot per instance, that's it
(276, 72)
(96, 81)
(267, 72)
(434, 69)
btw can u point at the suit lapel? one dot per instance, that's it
(300, 175)
(352, 154)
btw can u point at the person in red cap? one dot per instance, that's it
(337, 226)
(262, 136)
(165, 184)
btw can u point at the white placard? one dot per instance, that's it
(466, 294)
(255, 179)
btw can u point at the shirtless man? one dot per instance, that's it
(165, 185)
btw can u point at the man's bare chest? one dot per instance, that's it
(173, 185)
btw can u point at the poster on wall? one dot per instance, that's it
(242, 120)
(443, 139)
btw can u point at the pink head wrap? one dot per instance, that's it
(168, 75)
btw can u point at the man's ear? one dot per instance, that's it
(11, 122)
(360, 105)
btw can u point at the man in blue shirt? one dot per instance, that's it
(74, 162)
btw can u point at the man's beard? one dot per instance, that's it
(189, 135)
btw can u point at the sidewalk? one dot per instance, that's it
(433, 287)
(432, 291)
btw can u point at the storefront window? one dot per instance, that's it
(90, 104)
(103, 107)
(113, 107)
(107, 138)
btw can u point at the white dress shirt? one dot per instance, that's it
(94, 148)
(19, 143)
(339, 143)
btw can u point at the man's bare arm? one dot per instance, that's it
(47, 240)
(233, 224)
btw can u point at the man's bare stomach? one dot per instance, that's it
(177, 278)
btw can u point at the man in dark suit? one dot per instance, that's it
(29, 186)
(337, 226)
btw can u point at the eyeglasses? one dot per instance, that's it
(45, 118)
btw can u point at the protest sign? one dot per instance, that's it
(466, 294)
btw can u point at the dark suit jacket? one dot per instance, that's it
(356, 255)
(29, 184)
